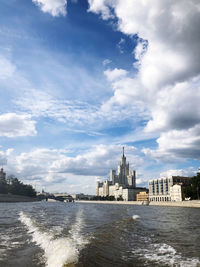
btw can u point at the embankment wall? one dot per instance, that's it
(191, 204)
(15, 198)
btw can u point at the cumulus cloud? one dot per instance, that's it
(177, 144)
(14, 125)
(189, 172)
(97, 161)
(115, 74)
(53, 7)
(102, 7)
(167, 58)
(53, 166)
(176, 107)
(172, 31)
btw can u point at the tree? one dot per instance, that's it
(120, 198)
(196, 185)
(192, 190)
(16, 187)
(3, 186)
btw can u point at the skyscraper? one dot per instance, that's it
(121, 183)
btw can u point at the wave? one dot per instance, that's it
(135, 217)
(58, 251)
(166, 255)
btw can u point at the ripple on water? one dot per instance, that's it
(166, 255)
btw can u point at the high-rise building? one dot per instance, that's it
(121, 183)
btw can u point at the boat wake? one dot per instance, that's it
(166, 255)
(57, 251)
(135, 217)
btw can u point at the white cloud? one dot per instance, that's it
(168, 61)
(177, 144)
(140, 51)
(189, 172)
(39, 103)
(51, 167)
(53, 7)
(75, 113)
(115, 74)
(172, 31)
(176, 107)
(96, 161)
(14, 125)
(100, 6)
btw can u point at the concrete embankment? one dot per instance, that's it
(189, 204)
(16, 198)
(110, 202)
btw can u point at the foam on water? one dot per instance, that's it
(58, 251)
(135, 217)
(167, 255)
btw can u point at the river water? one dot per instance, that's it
(79, 234)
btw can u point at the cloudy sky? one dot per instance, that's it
(81, 78)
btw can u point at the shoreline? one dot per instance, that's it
(184, 204)
(8, 198)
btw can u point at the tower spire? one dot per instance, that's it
(123, 151)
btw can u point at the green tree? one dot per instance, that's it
(120, 198)
(16, 187)
(192, 190)
(3, 186)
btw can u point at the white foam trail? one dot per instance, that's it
(167, 255)
(58, 251)
(135, 217)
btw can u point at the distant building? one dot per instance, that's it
(121, 185)
(162, 189)
(82, 196)
(2, 175)
(142, 196)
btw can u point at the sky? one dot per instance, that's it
(80, 79)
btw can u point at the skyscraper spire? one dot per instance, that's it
(123, 151)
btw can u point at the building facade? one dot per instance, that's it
(142, 196)
(176, 192)
(161, 189)
(121, 183)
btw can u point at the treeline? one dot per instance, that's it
(192, 189)
(13, 186)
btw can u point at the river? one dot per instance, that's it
(78, 234)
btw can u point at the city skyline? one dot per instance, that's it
(81, 79)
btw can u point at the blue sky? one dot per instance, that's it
(80, 79)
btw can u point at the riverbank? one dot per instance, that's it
(189, 204)
(16, 198)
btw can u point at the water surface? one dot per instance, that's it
(79, 234)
